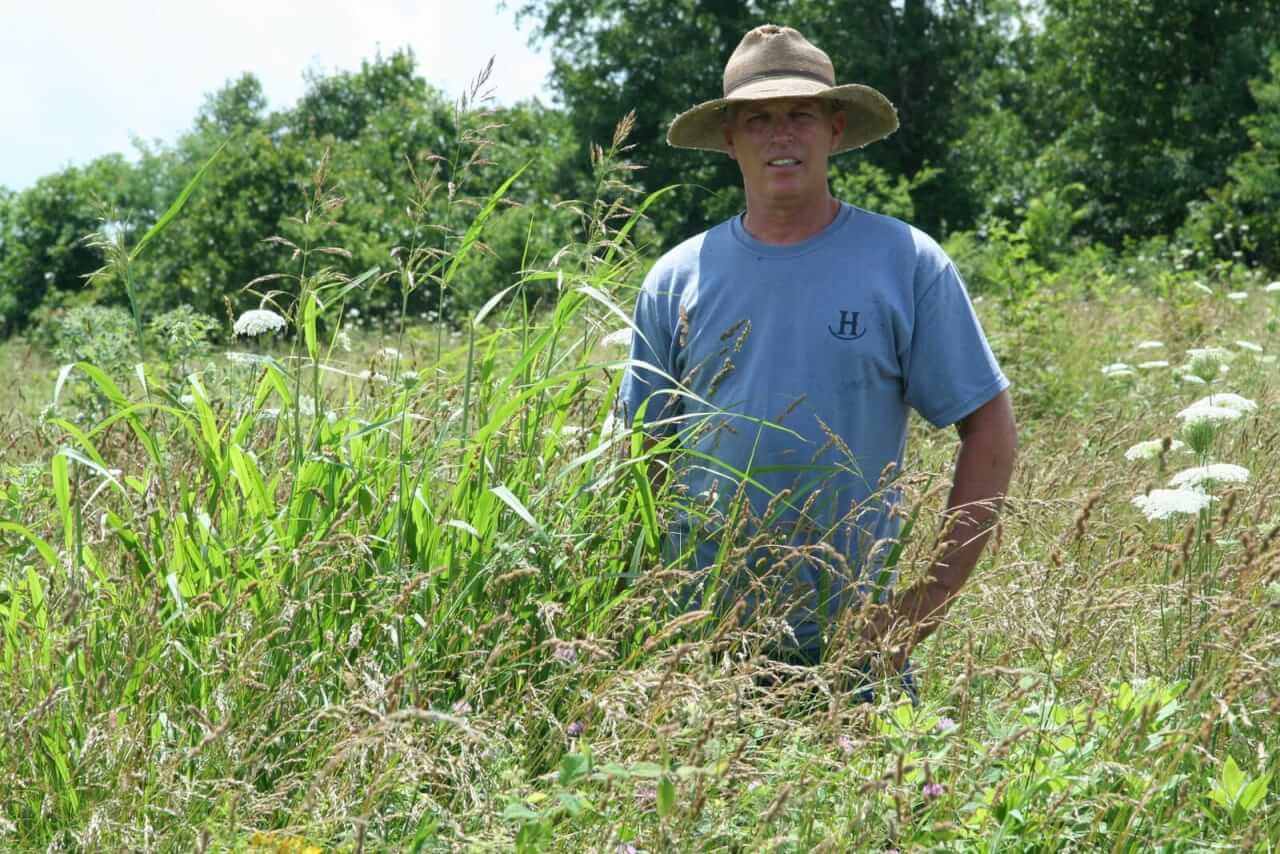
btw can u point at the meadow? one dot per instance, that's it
(395, 586)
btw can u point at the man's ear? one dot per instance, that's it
(728, 140)
(839, 121)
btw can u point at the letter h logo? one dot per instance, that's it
(849, 330)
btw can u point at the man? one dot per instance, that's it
(783, 348)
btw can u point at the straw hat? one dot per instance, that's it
(778, 62)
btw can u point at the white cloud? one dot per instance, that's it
(81, 78)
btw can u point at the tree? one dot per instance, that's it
(1142, 102)
(44, 258)
(659, 58)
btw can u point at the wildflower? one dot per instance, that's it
(1212, 413)
(1250, 346)
(646, 796)
(1200, 286)
(1163, 503)
(343, 340)
(1220, 472)
(575, 729)
(244, 358)
(620, 339)
(388, 353)
(933, 790)
(256, 321)
(1221, 354)
(462, 708)
(945, 725)
(1150, 449)
(1156, 363)
(1149, 345)
(566, 653)
(1238, 296)
(1118, 369)
(1229, 400)
(846, 745)
(1272, 288)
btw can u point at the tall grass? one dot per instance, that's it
(426, 611)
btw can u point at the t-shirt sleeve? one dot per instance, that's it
(951, 370)
(649, 375)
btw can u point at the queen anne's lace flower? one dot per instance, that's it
(1150, 449)
(1206, 412)
(1222, 354)
(1238, 296)
(1156, 363)
(1272, 288)
(1250, 346)
(1149, 345)
(1227, 399)
(1163, 503)
(1220, 472)
(1118, 369)
(256, 321)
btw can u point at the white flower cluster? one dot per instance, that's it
(256, 321)
(1188, 490)
(1150, 449)
(1163, 503)
(1211, 473)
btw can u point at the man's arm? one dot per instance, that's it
(988, 445)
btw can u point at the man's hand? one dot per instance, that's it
(988, 445)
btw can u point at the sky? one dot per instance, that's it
(82, 78)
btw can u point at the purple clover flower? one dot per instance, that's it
(945, 725)
(846, 745)
(566, 653)
(934, 790)
(575, 729)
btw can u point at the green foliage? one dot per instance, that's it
(100, 335)
(1142, 103)
(180, 336)
(1239, 219)
(609, 60)
(44, 259)
(873, 189)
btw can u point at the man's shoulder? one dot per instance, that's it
(683, 259)
(894, 230)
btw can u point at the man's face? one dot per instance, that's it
(782, 147)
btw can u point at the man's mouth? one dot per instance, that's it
(784, 161)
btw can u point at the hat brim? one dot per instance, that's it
(871, 115)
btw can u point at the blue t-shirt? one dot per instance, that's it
(787, 373)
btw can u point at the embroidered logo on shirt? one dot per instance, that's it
(849, 330)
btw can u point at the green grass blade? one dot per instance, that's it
(178, 203)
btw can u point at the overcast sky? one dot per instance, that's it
(80, 78)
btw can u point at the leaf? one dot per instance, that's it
(493, 301)
(517, 811)
(666, 797)
(1253, 793)
(508, 498)
(573, 767)
(176, 207)
(46, 551)
(1232, 778)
